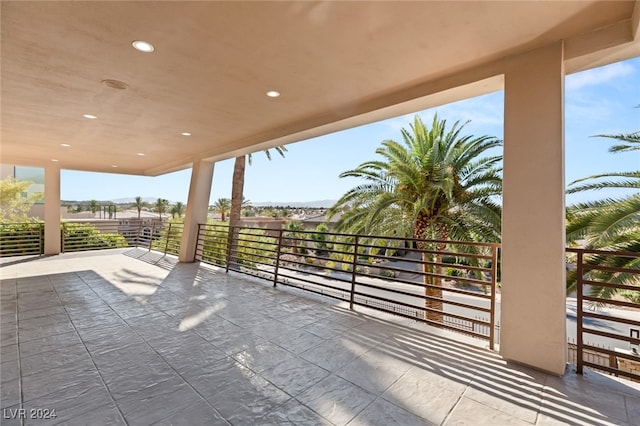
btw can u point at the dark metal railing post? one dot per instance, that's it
(195, 249)
(62, 238)
(138, 235)
(354, 264)
(494, 289)
(278, 250)
(229, 238)
(41, 238)
(166, 244)
(153, 231)
(579, 343)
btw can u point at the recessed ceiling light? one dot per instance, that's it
(141, 154)
(185, 134)
(65, 145)
(273, 94)
(89, 116)
(113, 165)
(143, 46)
(55, 160)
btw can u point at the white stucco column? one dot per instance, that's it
(533, 324)
(197, 208)
(52, 209)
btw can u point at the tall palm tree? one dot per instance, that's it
(178, 209)
(94, 206)
(139, 204)
(294, 228)
(237, 191)
(161, 206)
(237, 184)
(435, 185)
(222, 206)
(608, 224)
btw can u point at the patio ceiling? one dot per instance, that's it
(336, 65)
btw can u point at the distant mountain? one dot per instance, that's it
(296, 204)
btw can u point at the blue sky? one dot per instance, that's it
(598, 101)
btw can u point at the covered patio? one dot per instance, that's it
(130, 336)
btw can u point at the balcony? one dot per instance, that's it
(133, 337)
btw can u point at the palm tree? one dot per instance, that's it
(237, 185)
(222, 206)
(433, 186)
(177, 210)
(161, 206)
(294, 228)
(237, 197)
(609, 224)
(139, 204)
(94, 206)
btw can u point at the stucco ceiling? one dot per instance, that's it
(335, 64)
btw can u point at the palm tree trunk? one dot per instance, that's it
(237, 190)
(434, 307)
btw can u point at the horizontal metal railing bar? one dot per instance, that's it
(312, 290)
(412, 283)
(247, 256)
(319, 284)
(610, 301)
(253, 248)
(632, 340)
(425, 320)
(610, 318)
(607, 351)
(613, 371)
(425, 297)
(610, 253)
(316, 274)
(432, 274)
(423, 308)
(592, 267)
(421, 262)
(610, 285)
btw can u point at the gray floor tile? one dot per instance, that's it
(198, 414)
(248, 400)
(9, 393)
(9, 370)
(383, 413)
(68, 380)
(49, 343)
(374, 371)
(336, 399)
(295, 375)
(263, 356)
(428, 394)
(470, 412)
(292, 413)
(335, 353)
(157, 402)
(73, 354)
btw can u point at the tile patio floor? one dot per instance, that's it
(126, 337)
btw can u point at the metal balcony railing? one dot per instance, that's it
(21, 239)
(600, 277)
(445, 284)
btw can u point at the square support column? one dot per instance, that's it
(197, 208)
(52, 239)
(533, 303)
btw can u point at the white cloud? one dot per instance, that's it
(597, 76)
